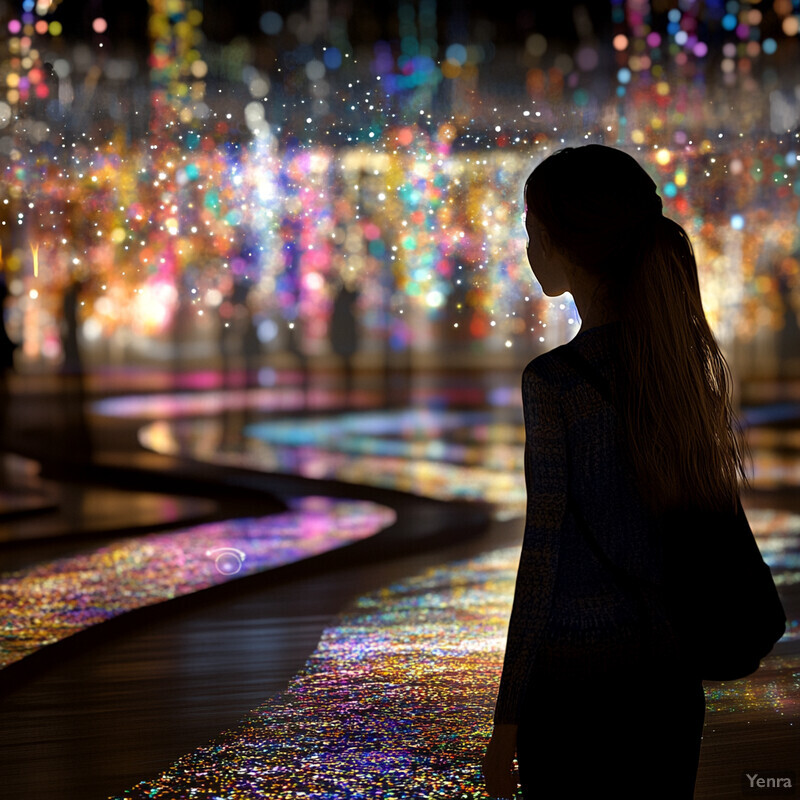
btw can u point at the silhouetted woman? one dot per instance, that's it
(593, 699)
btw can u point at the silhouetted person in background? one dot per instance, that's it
(594, 699)
(343, 332)
(7, 348)
(251, 345)
(74, 434)
(71, 364)
(183, 324)
(239, 345)
(294, 344)
(789, 334)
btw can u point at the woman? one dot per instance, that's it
(592, 699)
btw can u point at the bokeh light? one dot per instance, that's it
(225, 184)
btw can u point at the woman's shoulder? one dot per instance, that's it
(596, 345)
(548, 372)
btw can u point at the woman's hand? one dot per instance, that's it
(498, 767)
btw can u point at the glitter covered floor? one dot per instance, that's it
(446, 454)
(364, 717)
(46, 603)
(396, 697)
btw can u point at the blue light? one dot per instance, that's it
(271, 23)
(729, 22)
(737, 222)
(769, 46)
(332, 58)
(624, 75)
(457, 52)
(580, 97)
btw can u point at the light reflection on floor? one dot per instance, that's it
(168, 405)
(397, 699)
(173, 405)
(486, 466)
(48, 602)
(364, 717)
(437, 453)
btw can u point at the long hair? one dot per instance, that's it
(601, 209)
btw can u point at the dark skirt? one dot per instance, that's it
(623, 733)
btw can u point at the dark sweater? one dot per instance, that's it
(569, 612)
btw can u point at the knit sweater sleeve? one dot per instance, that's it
(546, 482)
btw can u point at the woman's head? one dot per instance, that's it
(595, 204)
(595, 210)
(598, 210)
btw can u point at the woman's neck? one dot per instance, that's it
(590, 297)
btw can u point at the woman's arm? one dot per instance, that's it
(546, 481)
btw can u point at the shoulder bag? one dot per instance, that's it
(716, 593)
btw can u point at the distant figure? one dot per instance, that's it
(296, 346)
(71, 365)
(344, 332)
(7, 348)
(182, 334)
(74, 432)
(789, 335)
(631, 418)
(239, 344)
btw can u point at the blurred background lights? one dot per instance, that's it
(315, 70)
(276, 154)
(536, 45)
(332, 58)
(769, 46)
(434, 299)
(271, 23)
(457, 53)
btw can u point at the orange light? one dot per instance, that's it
(35, 252)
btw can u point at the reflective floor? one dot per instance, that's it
(45, 603)
(368, 670)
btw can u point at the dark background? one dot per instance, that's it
(367, 20)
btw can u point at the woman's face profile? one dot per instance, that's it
(547, 268)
